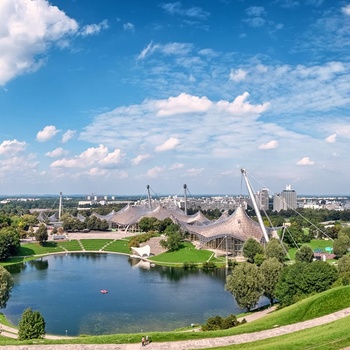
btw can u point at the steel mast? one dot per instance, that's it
(256, 208)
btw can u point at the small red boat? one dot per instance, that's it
(104, 291)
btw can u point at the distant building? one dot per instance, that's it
(285, 200)
(262, 199)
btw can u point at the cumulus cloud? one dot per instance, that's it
(140, 158)
(168, 145)
(93, 29)
(238, 75)
(92, 157)
(9, 148)
(155, 172)
(69, 134)
(305, 161)
(241, 107)
(331, 138)
(47, 133)
(58, 152)
(28, 29)
(269, 145)
(183, 103)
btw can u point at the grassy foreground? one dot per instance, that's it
(335, 334)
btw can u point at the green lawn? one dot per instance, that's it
(94, 244)
(314, 244)
(37, 249)
(118, 246)
(188, 253)
(71, 245)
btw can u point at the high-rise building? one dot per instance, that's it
(262, 199)
(285, 200)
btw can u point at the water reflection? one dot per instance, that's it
(65, 288)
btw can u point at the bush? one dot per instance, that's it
(31, 325)
(209, 265)
(218, 322)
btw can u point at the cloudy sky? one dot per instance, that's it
(108, 96)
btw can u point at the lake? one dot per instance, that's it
(66, 290)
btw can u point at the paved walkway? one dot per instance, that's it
(195, 344)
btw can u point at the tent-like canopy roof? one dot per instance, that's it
(238, 226)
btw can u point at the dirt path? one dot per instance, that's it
(196, 344)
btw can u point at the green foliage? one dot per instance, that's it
(6, 284)
(189, 265)
(9, 242)
(341, 244)
(259, 259)
(31, 325)
(144, 237)
(270, 270)
(304, 254)
(41, 234)
(172, 242)
(301, 279)
(251, 247)
(344, 269)
(245, 284)
(217, 322)
(274, 249)
(209, 265)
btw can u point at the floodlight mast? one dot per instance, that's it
(257, 211)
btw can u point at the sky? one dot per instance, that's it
(108, 96)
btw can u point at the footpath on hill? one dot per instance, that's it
(190, 344)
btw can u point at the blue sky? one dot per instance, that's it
(110, 96)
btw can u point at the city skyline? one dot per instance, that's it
(107, 97)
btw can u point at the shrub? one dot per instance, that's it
(31, 325)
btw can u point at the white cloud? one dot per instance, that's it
(194, 172)
(155, 172)
(47, 133)
(176, 8)
(129, 27)
(140, 158)
(240, 107)
(269, 145)
(305, 161)
(9, 148)
(92, 157)
(93, 29)
(183, 103)
(177, 166)
(58, 152)
(69, 134)
(28, 29)
(331, 138)
(346, 10)
(168, 145)
(170, 49)
(238, 75)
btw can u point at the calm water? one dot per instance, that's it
(66, 291)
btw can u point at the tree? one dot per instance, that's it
(245, 284)
(274, 249)
(344, 269)
(301, 279)
(9, 242)
(31, 325)
(41, 234)
(341, 245)
(304, 254)
(251, 247)
(173, 242)
(270, 270)
(6, 284)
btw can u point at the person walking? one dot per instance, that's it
(143, 341)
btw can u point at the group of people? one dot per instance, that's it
(145, 341)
